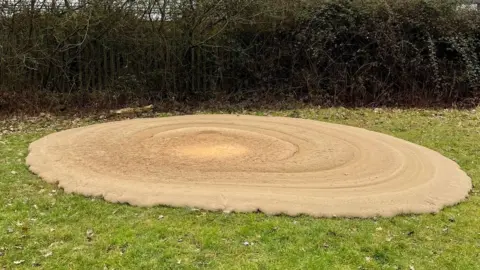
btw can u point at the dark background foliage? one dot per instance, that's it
(94, 53)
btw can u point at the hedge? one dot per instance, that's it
(365, 52)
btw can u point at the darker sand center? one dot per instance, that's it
(218, 151)
(209, 144)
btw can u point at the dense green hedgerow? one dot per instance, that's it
(336, 52)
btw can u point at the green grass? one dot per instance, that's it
(41, 227)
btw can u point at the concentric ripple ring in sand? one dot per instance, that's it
(250, 163)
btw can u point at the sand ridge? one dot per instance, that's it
(250, 163)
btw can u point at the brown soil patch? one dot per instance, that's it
(249, 163)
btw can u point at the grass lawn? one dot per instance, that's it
(42, 227)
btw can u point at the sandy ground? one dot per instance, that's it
(250, 163)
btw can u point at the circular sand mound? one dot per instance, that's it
(250, 163)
